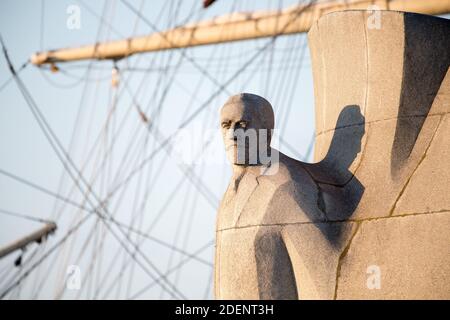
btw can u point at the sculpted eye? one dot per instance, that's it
(225, 125)
(243, 124)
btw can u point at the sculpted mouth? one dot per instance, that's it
(234, 146)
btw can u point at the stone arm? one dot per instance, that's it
(276, 278)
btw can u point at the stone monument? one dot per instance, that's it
(370, 219)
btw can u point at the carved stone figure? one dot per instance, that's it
(252, 261)
(370, 218)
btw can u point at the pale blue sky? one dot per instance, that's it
(26, 152)
(188, 221)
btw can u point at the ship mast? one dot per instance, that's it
(233, 27)
(36, 236)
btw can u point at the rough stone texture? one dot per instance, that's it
(412, 253)
(404, 91)
(253, 263)
(230, 270)
(403, 164)
(423, 192)
(381, 187)
(315, 265)
(338, 77)
(378, 193)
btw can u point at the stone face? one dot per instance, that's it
(412, 253)
(374, 209)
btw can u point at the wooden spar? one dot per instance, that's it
(38, 235)
(234, 27)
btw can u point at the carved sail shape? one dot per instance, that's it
(382, 88)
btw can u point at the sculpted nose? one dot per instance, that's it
(230, 134)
